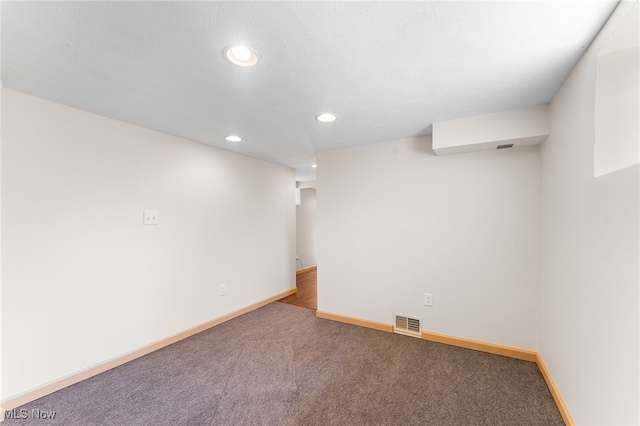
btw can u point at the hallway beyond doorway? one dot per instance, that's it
(307, 295)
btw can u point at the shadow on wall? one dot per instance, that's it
(423, 141)
(423, 145)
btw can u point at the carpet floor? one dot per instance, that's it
(280, 365)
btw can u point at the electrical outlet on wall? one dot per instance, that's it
(223, 289)
(428, 299)
(151, 217)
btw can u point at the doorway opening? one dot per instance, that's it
(307, 295)
(306, 263)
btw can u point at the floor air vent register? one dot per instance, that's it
(409, 326)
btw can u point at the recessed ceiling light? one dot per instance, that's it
(241, 55)
(314, 166)
(326, 117)
(232, 138)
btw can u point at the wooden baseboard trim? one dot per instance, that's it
(555, 393)
(71, 379)
(355, 321)
(478, 345)
(302, 271)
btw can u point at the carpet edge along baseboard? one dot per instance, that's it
(355, 321)
(478, 345)
(56, 385)
(555, 393)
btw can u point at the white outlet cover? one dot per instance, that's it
(428, 299)
(151, 217)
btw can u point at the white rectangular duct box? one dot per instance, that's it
(520, 127)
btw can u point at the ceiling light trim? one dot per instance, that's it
(241, 55)
(326, 117)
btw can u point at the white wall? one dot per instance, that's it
(396, 221)
(83, 280)
(306, 228)
(617, 111)
(588, 322)
(1, 340)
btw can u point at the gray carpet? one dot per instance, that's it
(280, 365)
(262, 388)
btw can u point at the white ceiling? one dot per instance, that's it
(388, 70)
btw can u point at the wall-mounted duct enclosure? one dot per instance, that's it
(484, 132)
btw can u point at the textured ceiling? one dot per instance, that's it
(388, 70)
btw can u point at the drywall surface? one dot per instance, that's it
(83, 280)
(588, 322)
(306, 228)
(396, 221)
(529, 126)
(1, 364)
(617, 110)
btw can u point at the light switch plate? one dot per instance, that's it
(151, 217)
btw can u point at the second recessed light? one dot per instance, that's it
(233, 138)
(241, 55)
(326, 117)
